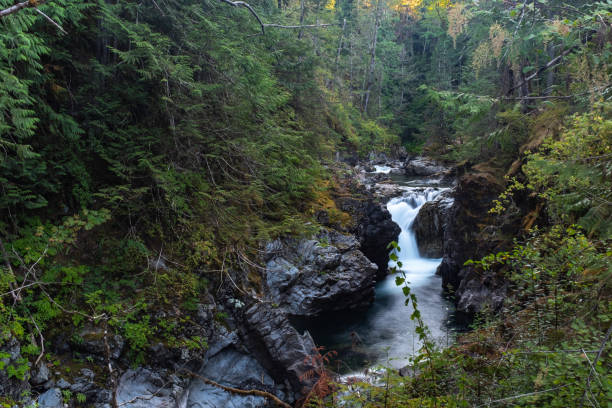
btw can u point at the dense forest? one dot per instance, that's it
(151, 149)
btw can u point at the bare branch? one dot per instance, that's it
(248, 6)
(16, 7)
(49, 19)
(522, 395)
(10, 271)
(264, 25)
(299, 26)
(30, 4)
(594, 364)
(238, 391)
(549, 64)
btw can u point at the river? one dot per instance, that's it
(384, 334)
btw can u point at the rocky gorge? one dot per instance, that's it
(250, 342)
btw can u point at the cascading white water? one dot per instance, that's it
(382, 169)
(403, 212)
(384, 334)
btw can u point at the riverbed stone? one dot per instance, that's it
(144, 388)
(51, 399)
(40, 375)
(422, 166)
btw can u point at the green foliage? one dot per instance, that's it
(539, 351)
(572, 173)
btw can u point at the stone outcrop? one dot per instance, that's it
(373, 226)
(375, 231)
(430, 224)
(230, 368)
(423, 167)
(311, 276)
(472, 233)
(143, 388)
(282, 350)
(90, 341)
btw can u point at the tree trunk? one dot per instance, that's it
(523, 88)
(369, 78)
(340, 41)
(550, 74)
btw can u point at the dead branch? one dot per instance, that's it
(523, 395)
(238, 391)
(42, 340)
(16, 7)
(111, 373)
(594, 364)
(31, 4)
(553, 62)
(247, 6)
(264, 25)
(49, 19)
(299, 26)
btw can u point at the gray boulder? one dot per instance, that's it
(422, 166)
(229, 368)
(310, 277)
(285, 352)
(429, 226)
(40, 375)
(51, 399)
(144, 388)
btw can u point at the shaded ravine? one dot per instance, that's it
(384, 334)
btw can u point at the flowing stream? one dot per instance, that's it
(384, 334)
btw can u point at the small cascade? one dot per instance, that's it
(384, 334)
(403, 212)
(382, 169)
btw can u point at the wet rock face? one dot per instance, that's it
(311, 276)
(421, 167)
(376, 230)
(51, 399)
(429, 226)
(472, 233)
(277, 344)
(478, 290)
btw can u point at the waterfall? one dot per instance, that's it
(382, 169)
(385, 332)
(403, 212)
